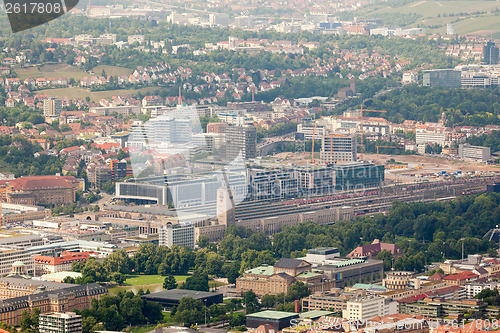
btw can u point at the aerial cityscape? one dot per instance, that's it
(250, 166)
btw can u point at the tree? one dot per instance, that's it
(189, 311)
(268, 301)
(298, 291)
(203, 241)
(251, 302)
(197, 281)
(386, 257)
(119, 278)
(169, 282)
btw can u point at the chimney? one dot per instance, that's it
(297, 306)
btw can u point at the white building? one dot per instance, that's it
(177, 234)
(308, 130)
(218, 19)
(9, 256)
(338, 147)
(477, 153)
(423, 136)
(365, 308)
(56, 322)
(472, 289)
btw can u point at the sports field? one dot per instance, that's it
(95, 96)
(48, 71)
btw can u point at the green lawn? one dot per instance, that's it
(144, 280)
(48, 71)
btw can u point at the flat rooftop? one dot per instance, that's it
(178, 294)
(276, 315)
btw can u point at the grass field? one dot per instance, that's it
(95, 96)
(152, 282)
(48, 71)
(436, 13)
(144, 280)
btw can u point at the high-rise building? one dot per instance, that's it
(450, 29)
(102, 175)
(57, 322)
(218, 19)
(338, 147)
(167, 129)
(177, 234)
(445, 78)
(490, 53)
(118, 170)
(241, 138)
(52, 107)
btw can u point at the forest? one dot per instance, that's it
(466, 107)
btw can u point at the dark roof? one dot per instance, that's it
(178, 294)
(288, 263)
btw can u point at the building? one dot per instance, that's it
(65, 299)
(271, 183)
(11, 256)
(472, 289)
(101, 175)
(368, 307)
(123, 111)
(278, 320)
(321, 255)
(57, 322)
(461, 278)
(423, 137)
(357, 175)
(16, 286)
(43, 190)
(345, 272)
(438, 308)
(450, 29)
(165, 129)
(307, 131)
(490, 53)
(373, 249)
(444, 78)
(218, 19)
(397, 280)
(177, 234)
(170, 298)
(241, 139)
(52, 107)
(118, 170)
(265, 279)
(476, 153)
(338, 147)
(64, 262)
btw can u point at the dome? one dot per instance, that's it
(18, 264)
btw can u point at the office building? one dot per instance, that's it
(490, 53)
(438, 308)
(11, 256)
(368, 307)
(476, 153)
(337, 147)
(397, 280)
(177, 234)
(102, 175)
(52, 107)
(57, 322)
(444, 78)
(118, 170)
(169, 130)
(241, 139)
(307, 130)
(357, 175)
(424, 136)
(218, 19)
(269, 183)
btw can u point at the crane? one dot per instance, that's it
(361, 127)
(313, 138)
(1, 197)
(386, 147)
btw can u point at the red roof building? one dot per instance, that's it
(371, 250)
(43, 190)
(460, 278)
(48, 264)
